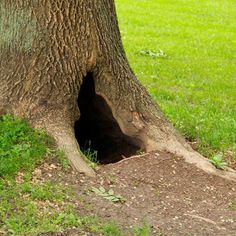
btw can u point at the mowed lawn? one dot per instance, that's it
(184, 52)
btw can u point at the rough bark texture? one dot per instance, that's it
(47, 47)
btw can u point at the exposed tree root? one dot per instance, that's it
(198, 160)
(71, 149)
(204, 164)
(66, 141)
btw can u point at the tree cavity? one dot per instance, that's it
(98, 130)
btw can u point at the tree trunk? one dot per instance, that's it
(63, 67)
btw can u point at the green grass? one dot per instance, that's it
(20, 146)
(195, 83)
(29, 209)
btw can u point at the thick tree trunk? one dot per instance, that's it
(49, 49)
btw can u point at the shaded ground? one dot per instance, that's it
(171, 196)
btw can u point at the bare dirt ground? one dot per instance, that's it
(170, 195)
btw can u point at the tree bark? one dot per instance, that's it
(47, 47)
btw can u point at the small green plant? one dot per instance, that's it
(143, 230)
(154, 54)
(91, 155)
(232, 206)
(140, 152)
(109, 195)
(218, 161)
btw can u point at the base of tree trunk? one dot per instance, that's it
(64, 69)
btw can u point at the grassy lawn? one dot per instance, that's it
(184, 52)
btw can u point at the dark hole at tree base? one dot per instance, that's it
(98, 130)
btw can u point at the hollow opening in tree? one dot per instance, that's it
(97, 128)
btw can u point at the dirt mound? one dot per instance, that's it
(170, 195)
(164, 192)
